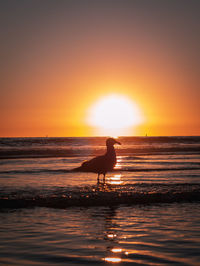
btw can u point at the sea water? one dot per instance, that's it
(147, 212)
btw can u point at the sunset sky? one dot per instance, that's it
(58, 58)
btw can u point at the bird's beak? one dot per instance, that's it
(118, 142)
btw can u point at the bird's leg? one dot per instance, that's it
(104, 178)
(98, 179)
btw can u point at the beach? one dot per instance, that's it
(147, 213)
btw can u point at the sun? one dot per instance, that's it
(114, 114)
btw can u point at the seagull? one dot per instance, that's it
(101, 164)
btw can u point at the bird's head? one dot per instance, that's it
(111, 142)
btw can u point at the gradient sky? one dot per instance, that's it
(59, 57)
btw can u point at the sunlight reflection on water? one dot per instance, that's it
(116, 250)
(111, 235)
(119, 162)
(115, 180)
(112, 259)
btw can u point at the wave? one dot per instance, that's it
(37, 153)
(54, 153)
(101, 195)
(65, 171)
(76, 152)
(27, 141)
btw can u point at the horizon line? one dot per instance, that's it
(122, 136)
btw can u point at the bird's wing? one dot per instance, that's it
(96, 164)
(99, 160)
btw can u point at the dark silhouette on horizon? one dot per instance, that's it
(101, 164)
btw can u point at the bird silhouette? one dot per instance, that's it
(101, 164)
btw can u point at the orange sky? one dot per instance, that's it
(59, 57)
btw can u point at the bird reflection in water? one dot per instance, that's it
(109, 232)
(115, 253)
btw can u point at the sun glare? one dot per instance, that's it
(114, 114)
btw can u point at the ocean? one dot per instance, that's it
(147, 212)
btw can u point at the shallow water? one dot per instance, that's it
(50, 181)
(153, 235)
(147, 212)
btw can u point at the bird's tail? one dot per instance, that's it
(77, 169)
(81, 168)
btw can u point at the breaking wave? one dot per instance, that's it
(101, 194)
